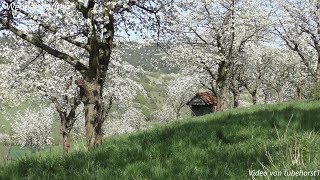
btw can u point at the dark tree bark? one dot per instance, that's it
(178, 115)
(67, 120)
(254, 98)
(280, 97)
(298, 94)
(66, 142)
(266, 94)
(219, 104)
(236, 98)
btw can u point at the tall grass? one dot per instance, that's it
(216, 146)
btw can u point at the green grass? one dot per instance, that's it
(15, 153)
(4, 154)
(217, 146)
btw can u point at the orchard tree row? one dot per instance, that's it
(68, 53)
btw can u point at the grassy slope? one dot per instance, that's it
(227, 144)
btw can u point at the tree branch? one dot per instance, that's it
(38, 43)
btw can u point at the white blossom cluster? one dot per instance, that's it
(33, 128)
(180, 91)
(121, 91)
(165, 114)
(8, 95)
(78, 130)
(122, 86)
(5, 139)
(298, 27)
(39, 75)
(130, 121)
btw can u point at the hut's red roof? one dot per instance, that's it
(208, 97)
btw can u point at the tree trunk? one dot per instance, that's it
(66, 121)
(93, 124)
(178, 115)
(91, 86)
(266, 94)
(318, 65)
(66, 142)
(218, 108)
(254, 97)
(91, 93)
(66, 125)
(280, 98)
(90, 123)
(177, 110)
(99, 134)
(236, 97)
(298, 94)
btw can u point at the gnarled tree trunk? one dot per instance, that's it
(91, 86)
(91, 93)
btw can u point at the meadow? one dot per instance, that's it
(229, 144)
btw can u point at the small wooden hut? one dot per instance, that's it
(203, 103)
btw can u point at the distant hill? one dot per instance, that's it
(226, 145)
(149, 58)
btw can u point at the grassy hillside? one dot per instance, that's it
(227, 144)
